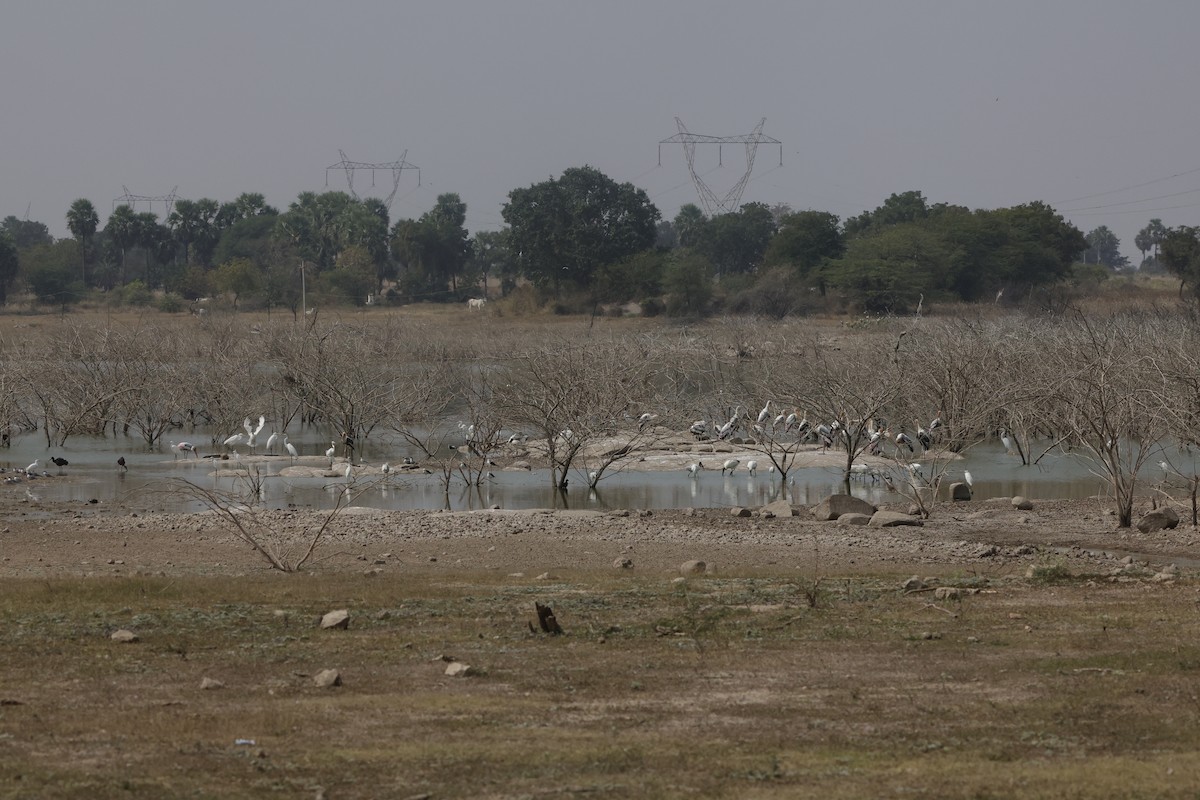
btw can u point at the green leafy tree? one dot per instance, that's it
(83, 221)
(805, 240)
(50, 271)
(121, 230)
(252, 237)
(193, 224)
(1180, 254)
(1103, 247)
(562, 230)
(9, 265)
(889, 270)
(898, 209)
(490, 256)
(25, 233)
(245, 206)
(687, 283)
(352, 278)
(688, 224)
(1041, 245)
(238, 277)
(736, 243)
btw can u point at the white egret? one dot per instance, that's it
(271, 441)
(36, 463)
(251, 431)
(236, 439)
(1006, 440)
(969, 480)
(765, 414)
(349, 471)
(751, 467)
(329, 453)
(386, 468)
(291, 448)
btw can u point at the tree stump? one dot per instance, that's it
(546, 619)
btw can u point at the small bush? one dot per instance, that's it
(170, 303)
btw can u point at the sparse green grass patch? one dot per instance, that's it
(730, 687)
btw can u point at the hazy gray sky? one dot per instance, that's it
(983, 104)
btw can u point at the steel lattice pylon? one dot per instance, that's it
(131, 200)
(397, 168)
(733, 198)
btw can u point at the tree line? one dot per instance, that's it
(579, 240)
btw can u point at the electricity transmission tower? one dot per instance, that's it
(131, 200)
(729, 202)
(397, 169)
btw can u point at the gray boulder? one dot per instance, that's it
(336, 619)
(1022, 503)
(1159, 519)
(854, 518)
(693, 567)
(892, 519)
(835, 505)
(780, 508)
(960, 491)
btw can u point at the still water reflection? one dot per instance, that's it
(93, 473)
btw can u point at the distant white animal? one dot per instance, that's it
(332, 449)
(751, 467)
(967, 477)
(271, 441)
(386, 468)
(349, 471)
(236, 439)
(37, 462)
(730, 465)
(694, 469)
(291, 448)
(476, 303)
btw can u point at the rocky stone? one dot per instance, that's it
(1021, 503)
(1164, 518)
(693, 567)
(913, 584)
(960, 491)
(547, 576)
(336, 619)
(835, 505)
(327, 678)
(780, 508)
(211, 683)
(854, 518)
(457, 669)
(986, 551)
(738, 511)
(623, 563)
(124, 636)
(947, 593)
(892, 519)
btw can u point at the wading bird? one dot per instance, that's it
(730, 465)
(59, 462)
(184, 447)
(693, 470)
(252, 432)
(752, 467)
(271, 440)
(121, 464)
(32, 467)
(291, 448)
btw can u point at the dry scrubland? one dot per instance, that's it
(797, 667)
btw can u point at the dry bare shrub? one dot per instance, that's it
(568, 395)
(68, 381)
(1106, 382)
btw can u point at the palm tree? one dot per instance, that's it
(83, 221)
(122, 230)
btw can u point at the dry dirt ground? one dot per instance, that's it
(81, 539)
(795, 667)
